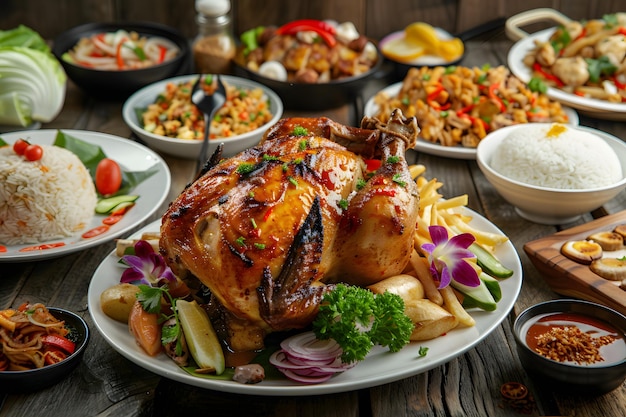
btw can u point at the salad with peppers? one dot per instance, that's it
(121, 50)
(307, 51)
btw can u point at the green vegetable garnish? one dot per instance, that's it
(300, 131)
(358, 319)
(599, 67)
(536, 84)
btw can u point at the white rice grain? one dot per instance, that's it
(556, 156)
(43, 200)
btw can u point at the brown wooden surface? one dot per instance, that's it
(375, 18)
(574, 279)
(107, 384)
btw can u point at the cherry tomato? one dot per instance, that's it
(33, 152)
(52, 356)
(108, 177)
(19, 146)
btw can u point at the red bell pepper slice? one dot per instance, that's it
(317, 26)
(162, 52)
(3, 248)
(537, 68)
(59, 342)
(308, 22)
(492, 94)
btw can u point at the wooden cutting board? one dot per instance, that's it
(573, 279)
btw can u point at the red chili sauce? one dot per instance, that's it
(576, 339)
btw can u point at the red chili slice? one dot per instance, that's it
(3, 248)
(96, 231)
(42, 247)
(112, 219)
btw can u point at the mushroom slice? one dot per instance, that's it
(583, 251)
(621, 229)
(613, 269)
(609, 241)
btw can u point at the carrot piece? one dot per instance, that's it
(145, 327)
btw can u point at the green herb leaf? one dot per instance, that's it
(150, 298)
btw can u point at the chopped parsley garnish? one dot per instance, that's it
(245, 168)
(393, 159)
(343, 204)
(300, 131)
(397, 178)
(360, 183)
(303, 145)
(267, 157)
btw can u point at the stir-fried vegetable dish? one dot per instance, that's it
(31, 337)
(585, 58)
(459, 105)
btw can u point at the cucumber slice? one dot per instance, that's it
(478, 296)
(489, 263)
(109, 205)
(493, 285)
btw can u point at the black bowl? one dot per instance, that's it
(596, 379)
(319, 96)
(37, 379)
(121, 84)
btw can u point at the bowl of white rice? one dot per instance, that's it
(553, 173)
(50, 198)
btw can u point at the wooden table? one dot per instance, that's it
(108, 384)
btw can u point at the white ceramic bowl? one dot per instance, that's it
(190, 149)
(548, 205)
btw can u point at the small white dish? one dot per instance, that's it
(546, 205)
(190, 149)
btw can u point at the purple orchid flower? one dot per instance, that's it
(146, 266)
(446, 257)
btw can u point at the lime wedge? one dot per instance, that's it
(15, 111)
(201, 338)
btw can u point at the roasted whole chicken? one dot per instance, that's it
(269, 230)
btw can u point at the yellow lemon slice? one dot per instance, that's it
(451, 49)
(403, 50)
(423, 34)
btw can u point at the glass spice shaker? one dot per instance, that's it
(214, 46)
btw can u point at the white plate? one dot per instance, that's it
(190, 149)
(431, 148)
(378, 368)
(593, 107)
(131, 156)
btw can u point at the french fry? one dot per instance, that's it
(452, 304)
(416, 170)
(423, 274)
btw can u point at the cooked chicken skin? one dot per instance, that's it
(268, 231)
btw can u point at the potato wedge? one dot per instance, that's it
(430, 319)
(117, 301)
(406, 286)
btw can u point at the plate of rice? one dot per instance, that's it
(52, 200)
